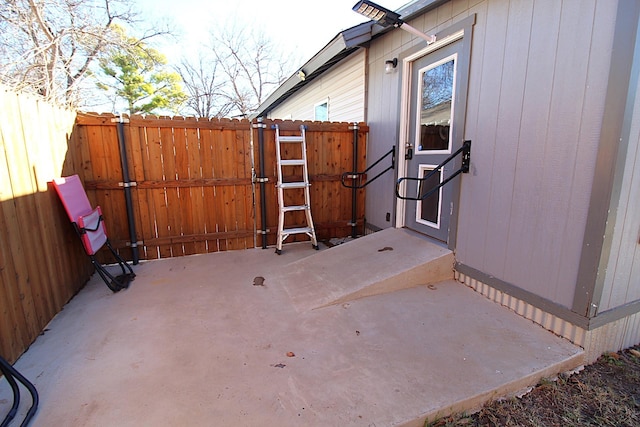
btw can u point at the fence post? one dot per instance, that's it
(354, 191)
(127, 184)
(262, 179)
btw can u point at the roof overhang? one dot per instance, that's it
(342, 45)
(335, 51)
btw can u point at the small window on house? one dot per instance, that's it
(321, 111)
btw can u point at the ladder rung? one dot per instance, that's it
(300, 230)
(287, 185)
(291, 139)
(295, 208)
(295, 162)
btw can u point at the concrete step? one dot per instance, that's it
(386, 261)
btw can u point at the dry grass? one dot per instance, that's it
(606, 393)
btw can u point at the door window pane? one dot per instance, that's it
(429, 207)
(436, 89)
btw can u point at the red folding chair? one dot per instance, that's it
(89, 225)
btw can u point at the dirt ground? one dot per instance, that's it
(606, 393)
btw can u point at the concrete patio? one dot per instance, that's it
(306, 338)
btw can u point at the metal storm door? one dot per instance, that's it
(432, 138)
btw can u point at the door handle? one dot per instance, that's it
(408, 154)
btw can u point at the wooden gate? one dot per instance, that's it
(194, 190)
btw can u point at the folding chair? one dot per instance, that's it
(89, 225)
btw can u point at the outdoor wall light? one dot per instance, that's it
(386, 17)
(390, 64)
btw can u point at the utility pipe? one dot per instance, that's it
(127, 184)
(354, 191)
(262, 179)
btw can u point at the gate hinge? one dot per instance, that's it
(135, 244)
(260, 180)
(128, 184)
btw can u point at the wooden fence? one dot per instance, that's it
(42, 264)
(194, 193)
(194, 189)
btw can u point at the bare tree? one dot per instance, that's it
(250, 66)
(49, 46)
(205, 87)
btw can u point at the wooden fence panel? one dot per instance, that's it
(329, 154)
(194, 191)
(42, 264)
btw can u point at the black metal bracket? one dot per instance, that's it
(466, 163)
(357, 177)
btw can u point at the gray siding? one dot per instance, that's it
(538, 78)
(343, 86)
(622, 276)
(538, 81)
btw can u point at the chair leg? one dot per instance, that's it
(116, 283)
(11, 374)
(107, 277)
(123, 264)
(16, 396)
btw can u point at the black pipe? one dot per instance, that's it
(262, 178)
(10, 373)
(354, 191)
(127, 193)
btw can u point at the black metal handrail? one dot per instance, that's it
(466, 161)
(357, 176)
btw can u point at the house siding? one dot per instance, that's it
(524, 210)
(538, 78)
(343, 86)
(622, 275)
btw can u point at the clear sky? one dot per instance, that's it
(303, 26)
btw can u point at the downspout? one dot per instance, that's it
(127, 184)
(354, 191)
(262, 179)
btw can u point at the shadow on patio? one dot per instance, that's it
(202, 340)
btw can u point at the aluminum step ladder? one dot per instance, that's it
(292, 187)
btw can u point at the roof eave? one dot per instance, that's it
(337, 49)
(343, 42)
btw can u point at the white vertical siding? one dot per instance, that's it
(343, 86)
(622, 280)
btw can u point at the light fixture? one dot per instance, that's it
(386, 17)
(382, 16)
(390, 64)
(302, 75)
